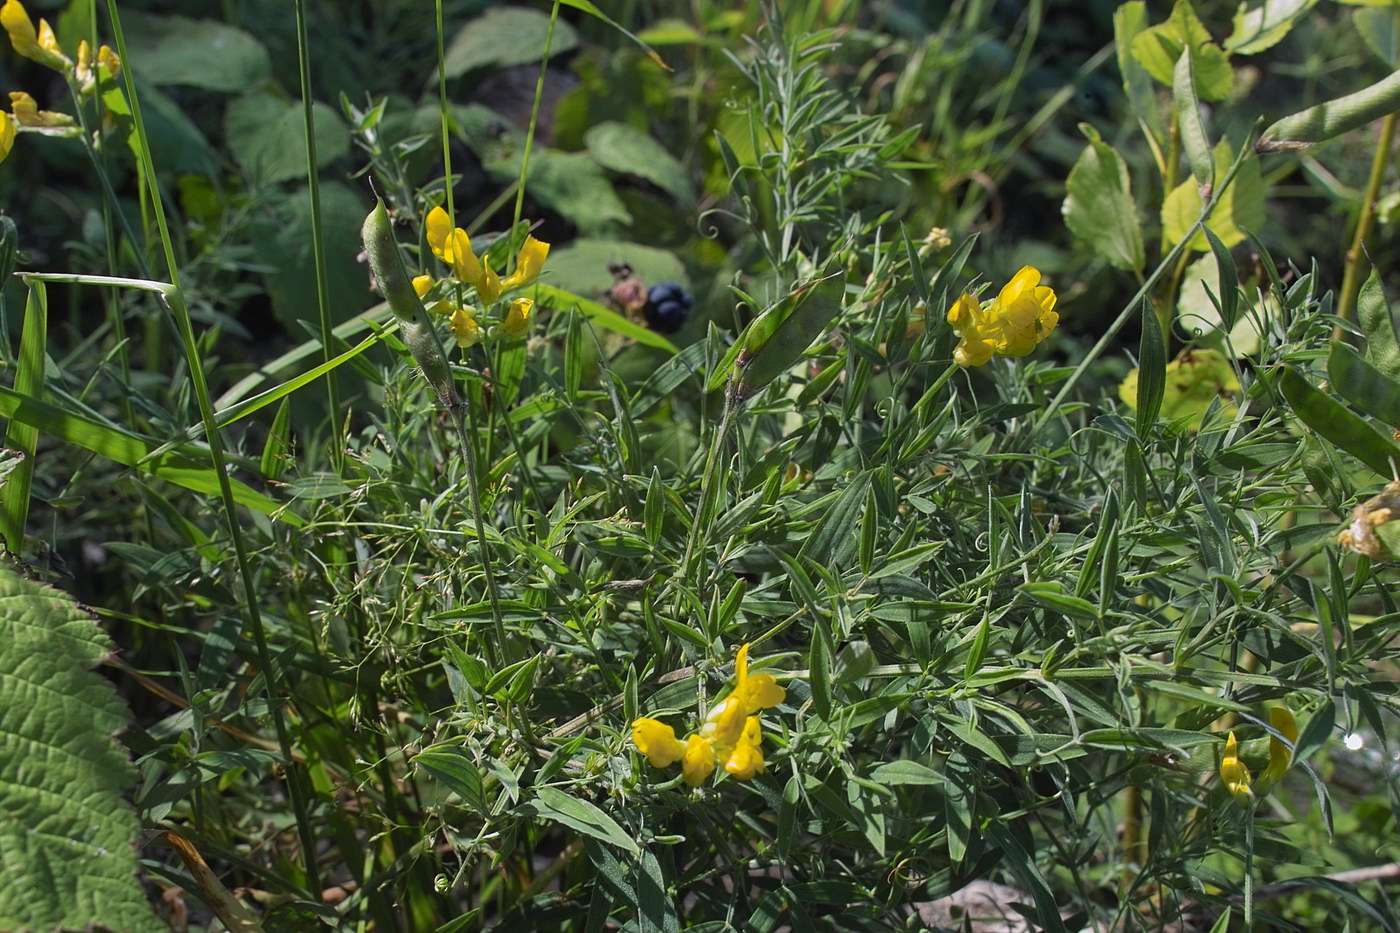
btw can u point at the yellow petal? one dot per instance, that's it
(657, 741)
(964, 313)
(468, 334)
(15, 19)
(971, 352)
(421, 284)
(1234, 774)
(699, 760)
(436, 229)
(517, 320)
(746, 758)
(1022, 283)
(488, 285)
(725, 724)
(7, 135)
(528, 263)
(762, 692)
(458, 252)
(1281, 754)
(109, 62)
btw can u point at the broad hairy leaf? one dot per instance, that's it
(195, 52)
(505, 36)
(68, 835)
(623, 148)
(1099, 206)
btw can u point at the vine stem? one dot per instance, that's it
(1351, 274)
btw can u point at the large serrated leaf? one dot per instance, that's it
(1099, 206)
(1241, 206)
(1262, 24)
(68, 834)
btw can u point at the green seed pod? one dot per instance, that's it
(1334, 117)
(396, 287)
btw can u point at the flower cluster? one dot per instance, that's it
(1022, 315)
(731, 735)
(452, 245)
(41, 46)
(1234, 773)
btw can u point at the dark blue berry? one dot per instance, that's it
(668, 305)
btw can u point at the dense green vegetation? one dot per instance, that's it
(798, 465)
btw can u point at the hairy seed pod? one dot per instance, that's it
(1334, 117)
(396, 287)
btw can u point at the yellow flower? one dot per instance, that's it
(528, 263)
(699, 760)
(108, 61)
(746, 757)
(488, 284)
(658, 742)
(468, 333)
(7, 135)
(1022, 315)
(1281, 753)
(1234, 775)
(422, 284)
(517, 320)
(453, 246)
(42, 47)
(28, 114)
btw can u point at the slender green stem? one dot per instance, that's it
(1351, 275)
(534, 116)
(175, 300)
(464, 418)
(318, 248)
(444, 114)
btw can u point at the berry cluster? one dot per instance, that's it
(668, 306)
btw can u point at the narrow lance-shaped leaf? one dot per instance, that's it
(1360, 383)
(1152, 370)
(1339, 424)
(1382, 341)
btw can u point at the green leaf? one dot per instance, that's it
(1152, 370)
(268, 136)
(1099, 207)
(572, 183)
(23, 438)
(1129, 20)
(69, 834)
(1195, 380)
(1338, 424)
(1360, 383)
(554, 804)
(834, 538)
(1381, 29)
(1240, 206)
(1193, 128)
(619, 147)
(906, 772)
(196, 52)
(1198, 315)
(1157, 49)
(1051, 595)
(454, 767)
(505, 36)
(1262, 24)
(132, 450)
(1382, 341)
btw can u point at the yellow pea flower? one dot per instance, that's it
(1280, 753)
(27, 114)
(746, 758)
(7, 134)
(1234, 774)
(517, 320)
(454, 247)
(658, 742)
(528, 263)
(468, 333)
(699, 760)
(109, 62)
(41, 47)
(1020, 317)
(422, 284)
